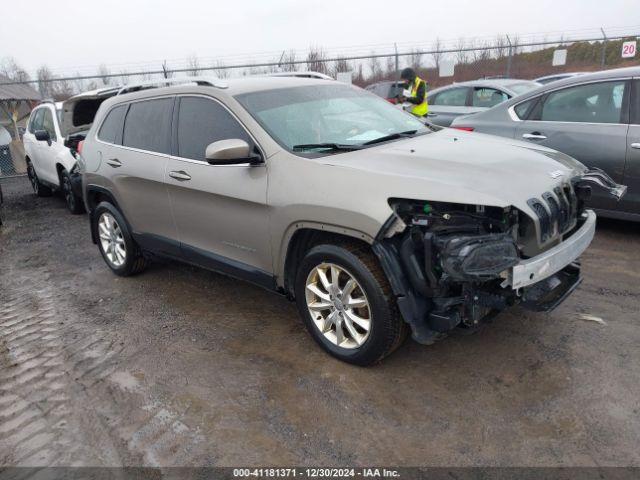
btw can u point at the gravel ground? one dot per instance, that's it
(180, 366)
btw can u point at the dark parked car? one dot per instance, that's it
(594, 118)
(387, 90)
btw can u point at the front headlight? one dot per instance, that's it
(479, 257)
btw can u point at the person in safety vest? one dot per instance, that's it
(418, 89)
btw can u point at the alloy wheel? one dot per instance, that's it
(111, 240)
(338, 306)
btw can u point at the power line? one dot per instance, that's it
(165, 70)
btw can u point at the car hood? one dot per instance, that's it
(461, 167)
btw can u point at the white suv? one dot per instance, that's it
(50, 142)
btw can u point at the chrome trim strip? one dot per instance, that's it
(531, 271)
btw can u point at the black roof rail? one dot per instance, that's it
(166, 82)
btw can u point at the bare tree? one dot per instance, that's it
(415, 59)
(359, 77)
(193, 64)
(103, 73)
(316, 60)
(62, 89)
(340, 65)
(10, 68)
(221, 71)
(79, 84)
(45, 77)
(390, 68)
(166, 71)
(288, 60)
(501, 46)
(462, 55)
(436, 54)
(375, 68)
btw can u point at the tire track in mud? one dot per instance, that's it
(43, 360)
(57, 370)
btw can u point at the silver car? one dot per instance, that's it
(452, 101)
(372, 222)
(595, 118)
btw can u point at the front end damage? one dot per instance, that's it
(456, 266)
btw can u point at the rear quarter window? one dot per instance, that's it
(111, 128)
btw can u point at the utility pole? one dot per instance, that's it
(510, 57)
(395, 47)
(604, 48)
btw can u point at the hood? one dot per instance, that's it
(462, 167)
(79, 111)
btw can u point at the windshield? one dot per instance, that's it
(524, 87)
(328, 117)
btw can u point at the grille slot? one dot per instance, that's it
(564, 218)
(543, 217)
(573, 201)
(554, 210)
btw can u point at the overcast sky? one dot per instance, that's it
(72, 35)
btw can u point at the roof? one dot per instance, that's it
(601, 75)
(17, 91)
(501, 83)
(232, 86)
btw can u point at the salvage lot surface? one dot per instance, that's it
(180, 366)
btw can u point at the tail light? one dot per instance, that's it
(392, 100)
(464, 129)
(80, 145)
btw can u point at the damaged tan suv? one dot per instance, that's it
(376, 224)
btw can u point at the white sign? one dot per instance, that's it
(629, 49)
(447, 68)
(559, 57)
(344, 77)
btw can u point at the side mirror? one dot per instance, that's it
(231, 152)
(43, 136)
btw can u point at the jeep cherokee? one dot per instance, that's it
(374, 223)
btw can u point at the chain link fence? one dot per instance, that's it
(441, 64)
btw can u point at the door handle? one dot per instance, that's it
(431, 114)
(534, 136)
(180, 175)
(636, 146)
(114, 162)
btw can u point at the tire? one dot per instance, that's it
(39, 188)
(117, 242)
(386, 329)
(74, 203)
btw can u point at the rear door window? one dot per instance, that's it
(592, 103)
(148, 125)
(202, 121)
(487, 97)
(454, 97)
(111, 129)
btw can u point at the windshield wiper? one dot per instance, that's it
(333, 147)
(393, 136)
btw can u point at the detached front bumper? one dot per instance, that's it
(534, 270)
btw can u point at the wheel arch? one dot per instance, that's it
(95, 195)
(300, 238)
